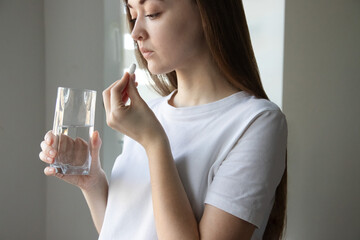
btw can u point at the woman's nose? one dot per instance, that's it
(138, 32)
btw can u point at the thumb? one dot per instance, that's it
(133, 93)
(95, 145)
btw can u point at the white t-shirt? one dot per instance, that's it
(229, 154)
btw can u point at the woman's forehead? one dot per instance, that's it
(140, 2)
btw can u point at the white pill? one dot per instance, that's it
(132, 68)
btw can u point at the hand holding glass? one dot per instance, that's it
(73, 127)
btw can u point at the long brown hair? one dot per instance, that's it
(227, 36)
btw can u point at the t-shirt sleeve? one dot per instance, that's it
(244, 184)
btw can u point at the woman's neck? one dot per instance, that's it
(200, 83)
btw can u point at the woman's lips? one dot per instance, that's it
(146, 53)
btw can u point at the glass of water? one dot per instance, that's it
(73, 127)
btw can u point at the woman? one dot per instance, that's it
(207, 160)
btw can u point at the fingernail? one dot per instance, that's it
(52, 153)
(49, 159)
(47, 139)
(50, 170)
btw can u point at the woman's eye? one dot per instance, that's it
(153, 16)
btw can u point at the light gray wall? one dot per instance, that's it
(74, 58)
(22, 112)
(322, 104)
(113, 64)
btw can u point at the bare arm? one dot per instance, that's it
(96, 199)
(217, 224)
(173, 214)
(174, 217)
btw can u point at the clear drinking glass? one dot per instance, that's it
(73, 128)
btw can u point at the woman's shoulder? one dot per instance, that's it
(253, 105)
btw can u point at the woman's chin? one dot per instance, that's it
(156, 69)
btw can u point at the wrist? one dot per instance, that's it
(99, 183)
(156, 145)
(154, 137)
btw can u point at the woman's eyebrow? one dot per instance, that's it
(141, 3)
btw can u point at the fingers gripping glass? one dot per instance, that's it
(73, 127)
